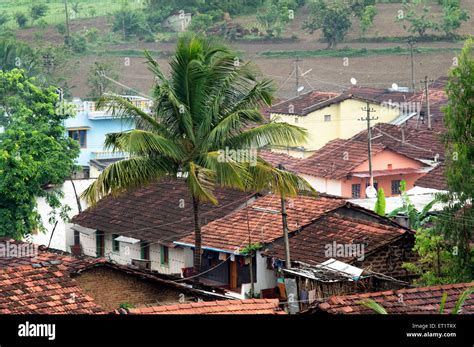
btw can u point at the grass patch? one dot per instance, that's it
(56, 14)
(354, 52)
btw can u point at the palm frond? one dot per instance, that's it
(462, 298)
(201, 182)
(374, 306)
(265, 176)
(280, 134)
(144, 143)
(443, 302)
(126, 174)
(122, 108)
(229, 173)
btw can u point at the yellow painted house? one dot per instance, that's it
(328, 116)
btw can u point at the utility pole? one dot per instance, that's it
(427, 97)
(67, 23)
(367, 119)
(297, 74)
(284, 218)
(411, 42)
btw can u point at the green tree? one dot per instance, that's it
(453, 16)
(380, 203)
(21, 19)
(35, 154)
(38, 11)
(210, 102)
(367, 18)
(15, 54)
(96, 81)
(332, 18)
(418, 16)
(130, 23)
(456, 221)
(275, 15)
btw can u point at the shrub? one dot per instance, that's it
(21, 19)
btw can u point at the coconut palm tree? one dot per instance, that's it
(209, 103)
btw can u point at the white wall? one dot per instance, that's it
(178, 257)
(324, 185)
(61, 237)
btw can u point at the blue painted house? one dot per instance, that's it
(90, 126)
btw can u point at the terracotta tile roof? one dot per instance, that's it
(423, 300)
(43, 258)
(435, 179)
(306, 103)
(248, 306)
(438, 99)
(308, 246)
(337, 158)
(290, 163)
(231, 233)
(409, 141)
(46, 290)
(379, 95)
(160, 212)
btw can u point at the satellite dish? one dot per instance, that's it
(353, 81)
(370, 192)
(395, 86)
(300, 89)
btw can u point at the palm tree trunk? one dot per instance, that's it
(197, 238)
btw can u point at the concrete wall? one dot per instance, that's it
(96, 134)
(61, 238)
(324, 185)
(178, 257)
(344, 122)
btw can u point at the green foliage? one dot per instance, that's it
(21, 19)
(359, 7)
(374, 306)
(367, 18)
(436, 259)
(453, 16)
(130, 23)
(4, 18)
(332, 18)
(78, 42)
(38, 11)
(416, 219)
(35, 154)
(275, 15)
(250, 250)
(126, 305)
(418, 17)
(457, 309)
(15, 54)
(380, 203)
(201, 22)
(96, 81)
(456, 221)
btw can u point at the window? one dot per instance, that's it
(164, 255)
(145, 250)
(389, 166)
(327, 118)
(296, 120)
(356, 190)
(396, 187)
(80, 136)
(115, 244)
